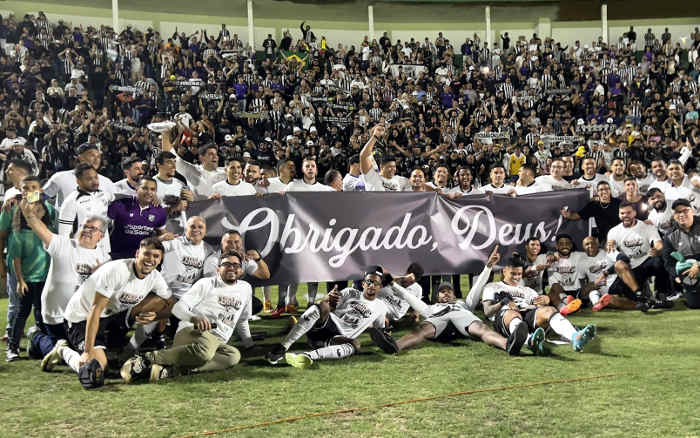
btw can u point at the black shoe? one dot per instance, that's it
(663, 304)
(643, 306)
(383, 340)
(517, 339)
(276, 355)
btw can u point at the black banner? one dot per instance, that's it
(322, 236)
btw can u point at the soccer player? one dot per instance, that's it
(115, 297)
(133, 171)
(398, 307)
(597, 274)
(497, 176)
(536, 263)
(513, 308)
(135, 218)
(209, 313)
(449, 319)
(637, 247)
(563, 276)
(72, 262)
(590, 178)
(233, 185)
(386, 179)
(465, 184)
(333, 325)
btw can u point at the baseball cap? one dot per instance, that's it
(445, 285)
(374, 270)
(312, 129)
(679, 203)
(228, 137)
(310, 143)
(86, 147)
(246, 154)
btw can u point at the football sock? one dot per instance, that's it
(304, 324)
(514, 323)
(312, 291)
(562, 326)
(336, 352)
(594, 297)
(141, 334)
(71, 357)
(282, 295)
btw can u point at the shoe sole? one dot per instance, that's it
(274, 361)
(587, 335)
(155, 373)
(125, 372)
(517, 340)
(298, 361)
(383, 341)
(574, 305)
(603, 303)
(50, 360)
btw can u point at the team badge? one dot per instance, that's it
(151, 217)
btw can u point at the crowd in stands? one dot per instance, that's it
(107, 124)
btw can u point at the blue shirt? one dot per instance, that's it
(132, 224)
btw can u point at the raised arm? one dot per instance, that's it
(39, 227)
(474, 295)
(366, 152)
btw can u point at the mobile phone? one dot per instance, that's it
(33, 197)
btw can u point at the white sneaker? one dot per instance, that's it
(54, 357)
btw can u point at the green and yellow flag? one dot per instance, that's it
(300, 57)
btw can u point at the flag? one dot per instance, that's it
(298, 56)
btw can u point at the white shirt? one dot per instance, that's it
(591, 268)
(533, 278)
(458, 189)
(634, 241)
(71, 265)
(535, 187)
(168, 188)
(299, 185)
(565, 272)
(555, 184)
(63, 183)
(117, 281)
(522, 296)
(617, 188)
(354, 313)
(122, 187)
(397, 306)
(661, 219)
(198, 178)
(276, 185)
(503, 190)
(80, 205)
(227, 305)
(352, 183)
(224, 188)
(183, 263)
(374, 182)
(591, 184)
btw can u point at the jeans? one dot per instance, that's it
(13, 303)
(200, 350)
(31, 298)
(45, 340)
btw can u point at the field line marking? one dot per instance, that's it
(399, 403)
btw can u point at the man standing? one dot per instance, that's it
(234, 185)
(114, 298)
(603, 210)
(134, 219)
(498, 185)
(209, 313)
(133, 171)
(353, 181)
(333, 325)
(375, 181)
(200, 177)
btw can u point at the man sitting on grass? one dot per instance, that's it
(513, 308)
(208, 313)
(449, 319)
(333, 325)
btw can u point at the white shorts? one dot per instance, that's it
(460, 319)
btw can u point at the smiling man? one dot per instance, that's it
(333, 325)
(118, 295)
(233, 185)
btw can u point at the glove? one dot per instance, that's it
(503, 297)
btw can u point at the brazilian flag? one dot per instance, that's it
(300, 57)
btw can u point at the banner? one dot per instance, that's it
(322, 236)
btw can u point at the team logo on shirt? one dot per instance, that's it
(129, 299)
(598, 267)
(361, 309)
(564, 269)
(151, 217)
(633, 242)
(229, 302)
(83, 270)
(192, 262)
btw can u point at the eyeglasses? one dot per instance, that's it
(91, 228)
(230, 265)
(373, 282)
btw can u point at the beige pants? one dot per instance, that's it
(198, 350)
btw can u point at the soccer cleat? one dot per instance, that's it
(159, 372)
(583, 337)
(602, 303)
(536, 340)
(383, 340)
(267, 307)
(136, 368)
(517, 339)
(301, 361)
(569, 298)
(276, 355)
(571, 307)
(663, 304)
(12, 354)
(54, 356)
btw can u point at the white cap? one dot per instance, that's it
(268, 139)
(289, 137)
(312, 129)
(246, 154)
(297, 129)
(75, 75)
(609, 120)
(309, 143)
(228, 137)
(288, 115)
(232, 96)
(580, 122)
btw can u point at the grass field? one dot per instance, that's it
(637, 379)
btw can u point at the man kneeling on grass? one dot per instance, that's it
(333, 325)
(209, 312)
(449, 319)
(519, 309)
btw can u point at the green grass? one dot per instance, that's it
(652, 359)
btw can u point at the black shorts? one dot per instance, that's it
(111, 332)
(528, 317)
(321, 334)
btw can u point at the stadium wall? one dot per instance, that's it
(343, 24)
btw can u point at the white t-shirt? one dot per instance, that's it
(122, 187)
(224, 188)
(374, 182)
(565, 271)
(183, 263)
(198, 178)
(397, 306)
(227, 305)
(61, 184)
(555, 184)
(536, 187)
(354, 313)
(458, 189)
(71, 265)
(168, 188)
(503, 190)
(80, 205)
(117, 281)
(533, 278)
(276, 185)
(299, 185)
(352, 183)
(591, 184)
(661, 219)
(591, 268)
(522, 296)
(617, 188)
(634, 241)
